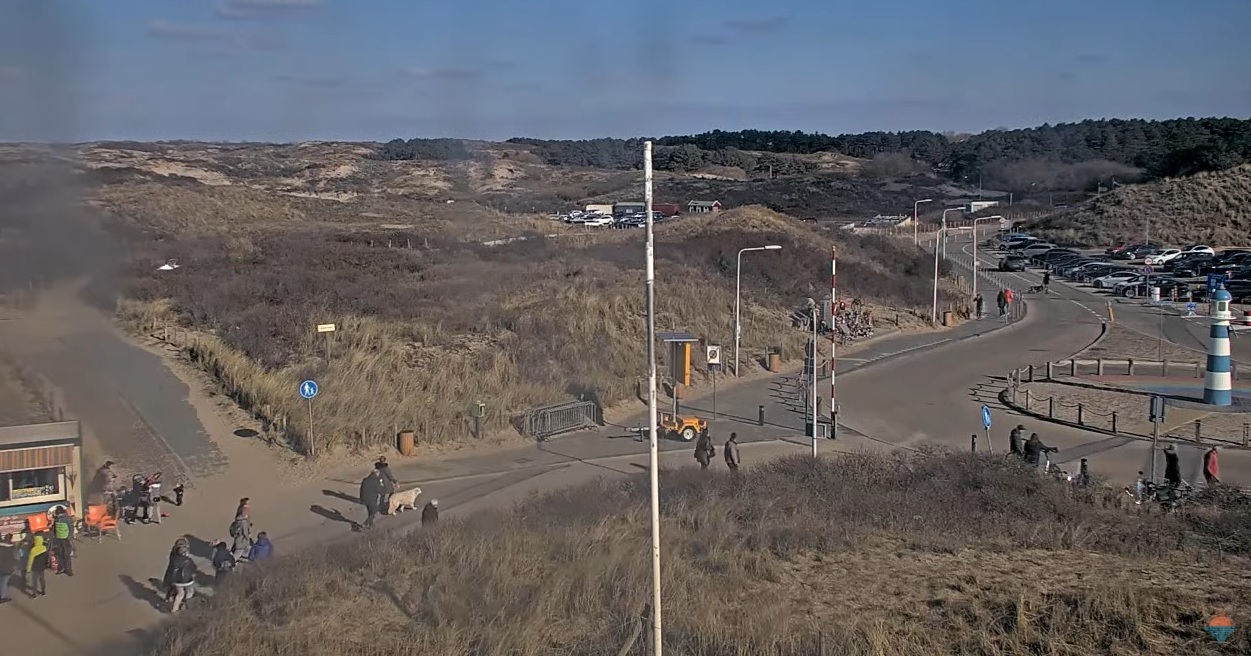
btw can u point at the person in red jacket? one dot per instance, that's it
(1211, 468)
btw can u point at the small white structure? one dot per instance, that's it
(975, 206)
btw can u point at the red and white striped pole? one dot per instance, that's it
(834, 340)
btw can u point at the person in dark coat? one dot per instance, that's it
(704, 450)
(1014, 440)
(1172, 467)
(388, 483)
(430, 514)
(223, 562)
(1034, 448)
(1083, 474)
(1046, 281)
(8, 567)
(730, 451)
(371, 496)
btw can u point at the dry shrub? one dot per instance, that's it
(1207, 208)
(426, 332)
(919, 554)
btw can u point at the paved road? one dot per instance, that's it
(133, 408)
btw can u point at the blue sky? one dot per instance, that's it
(287, 70)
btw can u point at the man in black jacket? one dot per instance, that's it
(1172, 467)
(1014, 440)
(8, 566)
(388, 482)
(1034, 448)
(371, 496)
(181, 576)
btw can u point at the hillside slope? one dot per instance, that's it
(862, 555)
(1212, 208)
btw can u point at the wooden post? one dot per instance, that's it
(1031, 373)
(1129, 367)
(1080, 410)
(1164, 368)
(1051, 407)
(1073, 367)
(1099, 367)
(1114, 422)
(1049, 376)
(1198, 431)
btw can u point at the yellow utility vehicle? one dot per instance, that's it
(682, 428)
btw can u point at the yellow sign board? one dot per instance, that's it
(325, 328)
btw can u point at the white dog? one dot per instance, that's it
(402, 500)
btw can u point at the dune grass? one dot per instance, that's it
(426, 332)
(929, 553)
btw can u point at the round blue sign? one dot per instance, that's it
(986, 417)
(308, 389)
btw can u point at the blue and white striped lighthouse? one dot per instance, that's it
(1217, 383)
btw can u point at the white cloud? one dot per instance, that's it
(261, 9)
(163, 29)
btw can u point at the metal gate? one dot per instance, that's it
(550, 420)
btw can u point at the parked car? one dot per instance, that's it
(1099, 271)
(1162, 257)
(1083, 268)
(1037, 248)
(1106, 282)
(1012, 263)
(1140, 285)
(1199, 248)
(1192, 268)
(1020, 244)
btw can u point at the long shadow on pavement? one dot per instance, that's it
(343, 496)
(143, 592)
(332, 515)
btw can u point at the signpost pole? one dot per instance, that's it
(986, 427)
(312, 450)
(813, 386)
(714, 392)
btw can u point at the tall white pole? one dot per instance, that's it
(833, 340)
(738, 293)
(942, 231)
(653, 429)
(813, 386)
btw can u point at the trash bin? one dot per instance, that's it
(775, 360)
(679, 391)
(407, 443)
(1155, 294)
(948, 319)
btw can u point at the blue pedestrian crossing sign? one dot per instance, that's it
(308, 389)
(986, 417)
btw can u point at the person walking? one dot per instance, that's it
(1172, 467)
(371, 496)
(1007, 302)
(1014, 440)
(263, 549)
(704, 451)
(63, 541)
(105, 481)
(1034, 448)
(388, 484)
(36, 567)
(1046, 282)
(1001, 301)
(730, 451)
(430, 514)
(1211, 467)
(979, 307)
(8, 566)
(223, 562)
(1083, 474)
(180, 575)
(241, 532)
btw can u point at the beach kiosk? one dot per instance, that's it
(40, 469)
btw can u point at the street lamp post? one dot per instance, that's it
(945, 211)
(915, 219)
(985, 218)
(738, 293)
(942, 234)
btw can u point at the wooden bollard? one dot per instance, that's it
(1164, 368)
(1080, 419)
(1073, 367)
(1129, 367)
(1113, 422)
(1099, 367)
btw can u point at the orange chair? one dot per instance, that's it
(99, 521)
(37, 523)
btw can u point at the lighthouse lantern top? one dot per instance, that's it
(1221, 299)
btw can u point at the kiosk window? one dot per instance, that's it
(4, 487)
(33, 483)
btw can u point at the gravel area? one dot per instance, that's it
(1122, 343)
(1220, 425)
(1097, 405)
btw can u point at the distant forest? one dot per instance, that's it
(1065, 155)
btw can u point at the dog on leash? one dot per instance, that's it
(1036, 289)
(401, 501)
